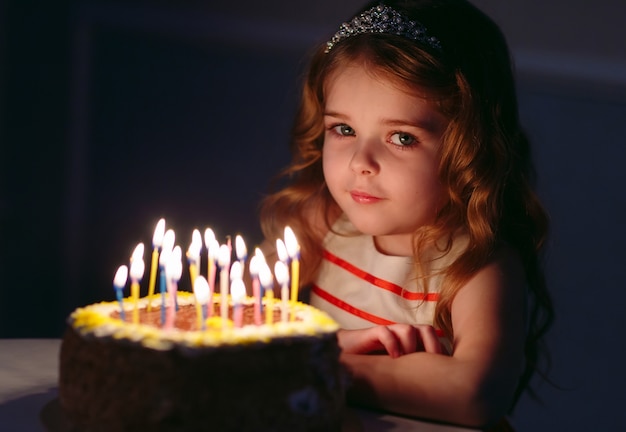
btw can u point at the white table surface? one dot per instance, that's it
(28, 384)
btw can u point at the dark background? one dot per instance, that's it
(114, 114)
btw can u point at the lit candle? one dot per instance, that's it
(256, 288)
(213, 252)
(119, 282)
(173, 271)
(201, 292)
(193, 256)
(137, 267)
(283, 256)
(293, 249)
(165, 256)
(137, 254)
(224, 263)
(236, 271)
(209, 239)
(281, 251)
(267, 282)
(281, 271)
(240, 249)
(166, 251)
(238, 293)
(157, 243)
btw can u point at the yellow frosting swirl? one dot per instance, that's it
(97, 320)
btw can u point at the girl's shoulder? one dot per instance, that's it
(506, 258)
(502, 277)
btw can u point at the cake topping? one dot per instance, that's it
(103, 319)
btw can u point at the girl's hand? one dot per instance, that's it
(394, 339)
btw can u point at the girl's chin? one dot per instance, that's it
(373, 228)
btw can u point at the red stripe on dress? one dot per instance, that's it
(355, 311)
(380, 283)
(349, 308)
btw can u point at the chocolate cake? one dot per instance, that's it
(119, 376)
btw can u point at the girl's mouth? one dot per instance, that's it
(364, 197)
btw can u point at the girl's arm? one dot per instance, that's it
(475, 385)
(394, 340)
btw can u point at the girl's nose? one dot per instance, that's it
(364, 160)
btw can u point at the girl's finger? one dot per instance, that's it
(407, 337)
(430, 340)
(389, 341)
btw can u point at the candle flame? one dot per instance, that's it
(168, 239)
(209, 237)
(159, 232)
(165, 256)
(281, 250)
(137, 254)
(281, 271)
(196, 238)
(137, 268)
(265, 276)
(177, 253)
(291, 243)
(193, 253)
(121, 276)
(174, 266)
(201, 289)
(237, 291)
(240, 248)
(224, 256)
(254, 265)
(236, 271)
(259, 253)
(214, 249)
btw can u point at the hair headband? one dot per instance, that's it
(384, 19)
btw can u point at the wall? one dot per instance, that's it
(572, 69)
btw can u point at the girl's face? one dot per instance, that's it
(380, 157)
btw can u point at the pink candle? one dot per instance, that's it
(224, 263)
(170, 313)
(173, 272)
(238, 293)
(267, 282)
(213, 248)
(256, 288)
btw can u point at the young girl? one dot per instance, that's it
(410, 194)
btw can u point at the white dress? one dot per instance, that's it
(360, 287)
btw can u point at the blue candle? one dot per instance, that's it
(166, 249)
(163, 291)
(119, 282)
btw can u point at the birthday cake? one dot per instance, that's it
(120, 376)
(202, 360)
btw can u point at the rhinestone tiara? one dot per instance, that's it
(384, 19)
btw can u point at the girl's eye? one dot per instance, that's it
(344, 130)
(403, 139)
